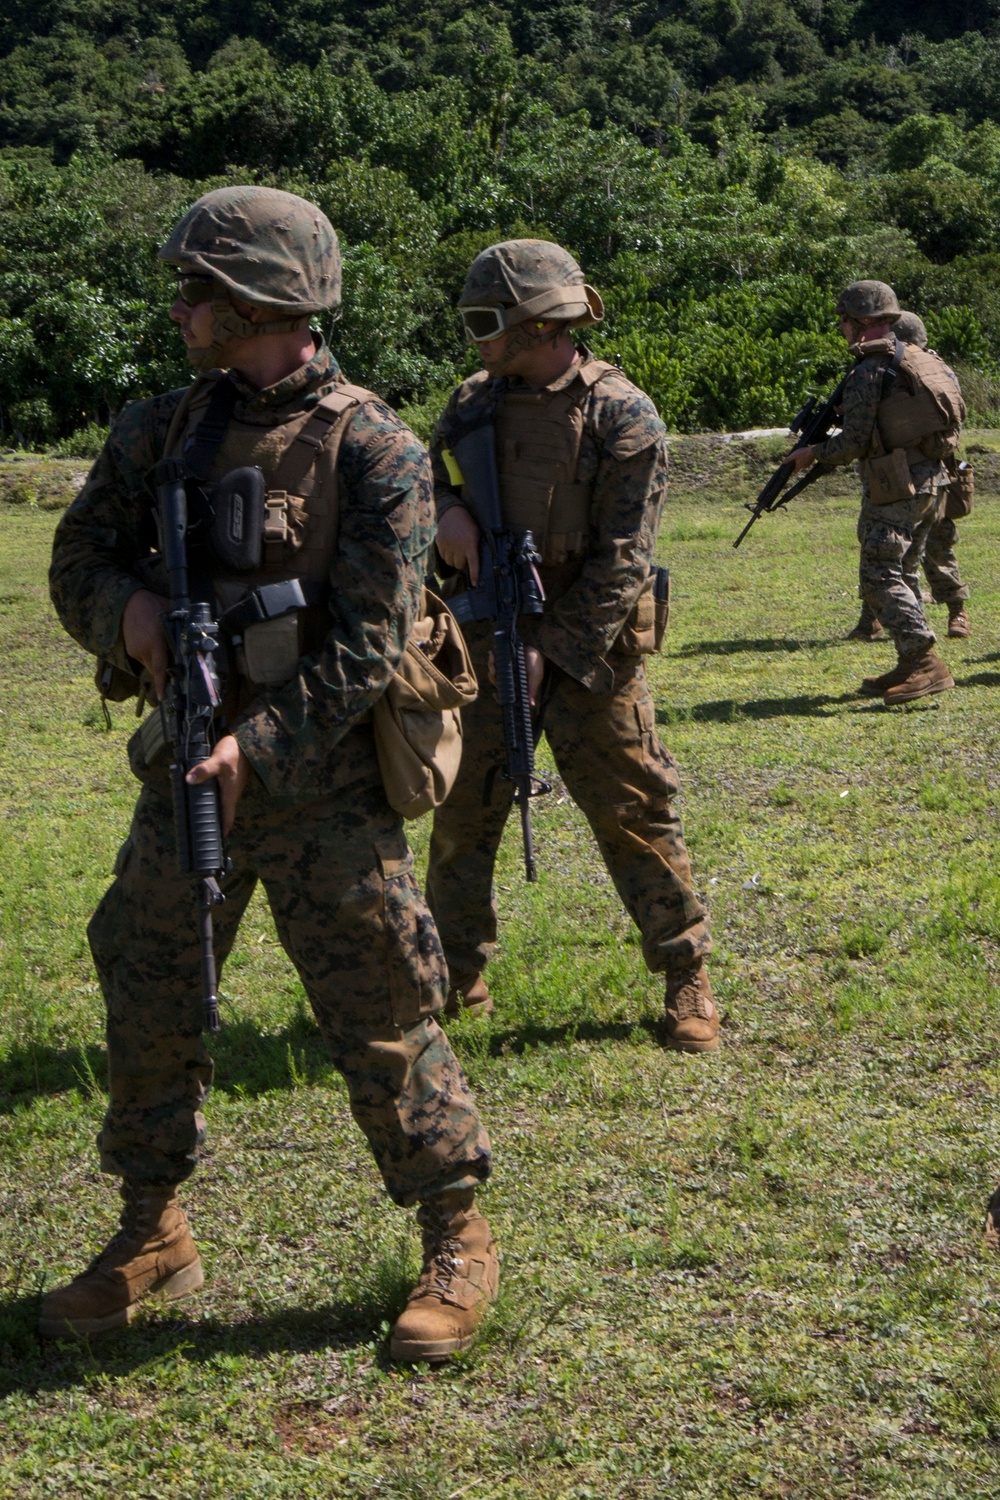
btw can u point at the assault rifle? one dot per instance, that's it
(187, 720)
(814, 422)
(508, 586)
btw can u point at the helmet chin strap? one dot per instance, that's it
(524, 339)
(228, 324)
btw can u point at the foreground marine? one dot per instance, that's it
(902, 411)
(581, 462)
(349, 514)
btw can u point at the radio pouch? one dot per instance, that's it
(959, 492)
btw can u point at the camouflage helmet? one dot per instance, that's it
(266, 246)
(868, 299)
(910, 329)
(521, 279)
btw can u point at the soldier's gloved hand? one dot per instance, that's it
(534, 666)
(142, 633)
(228, 762)
(802, 458)
(458, 541)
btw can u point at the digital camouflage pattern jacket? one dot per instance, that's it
(623, 459)
(289, 733)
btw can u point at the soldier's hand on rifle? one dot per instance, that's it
(458, 541)
(802, 458)
(142, 633)
(534, 667)
(228, 762)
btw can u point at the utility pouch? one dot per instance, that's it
(266, 628)
(113, 683)
(236, 528)
(272, 648)
(644, 629)
(889, 478)
(959, 493)
(417, 721)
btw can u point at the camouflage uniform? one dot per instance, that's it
(598, 712)
(313, 825)
(885, 532)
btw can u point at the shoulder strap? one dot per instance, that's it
(325, 421)
(200, 448)
(892, 368)
(889, 375)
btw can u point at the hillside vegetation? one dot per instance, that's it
(720, 166)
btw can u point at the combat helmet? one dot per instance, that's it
(910, 329)
(265, 246)
(868, 299)
(521, 279)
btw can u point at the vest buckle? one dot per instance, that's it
(276, 516)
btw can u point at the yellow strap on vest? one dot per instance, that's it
(455, 474)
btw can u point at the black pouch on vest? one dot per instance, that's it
(236, 529)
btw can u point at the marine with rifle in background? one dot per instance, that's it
(309, 529)
(933, 545)
(901, 414)
(581, 468)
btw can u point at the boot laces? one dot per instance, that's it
(131, 1225)
(688, 1000)
(442, 1250)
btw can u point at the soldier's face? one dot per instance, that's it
(195, 322)
(515, 352)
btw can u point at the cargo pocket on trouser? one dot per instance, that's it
(658, 763)
(417, 969)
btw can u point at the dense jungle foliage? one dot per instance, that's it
(719, 166)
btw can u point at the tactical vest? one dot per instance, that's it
(923, 410)
(539, 435)
(298, 457)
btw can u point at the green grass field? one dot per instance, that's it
(757, 1273)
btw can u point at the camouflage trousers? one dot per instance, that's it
(615, 768)
(338, 877)
(886, 534)
(933, 546)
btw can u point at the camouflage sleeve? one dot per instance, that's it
(103, 535)
(290, 733)
(862, 395)
(629, 491)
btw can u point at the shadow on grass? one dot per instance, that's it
(245, 1058)
(766, 643)
(519, 1039)
(979, 679)
(31, 1363)
(727, 710)
(252, 1063)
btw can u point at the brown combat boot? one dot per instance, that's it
(958, 620)
(152, 1252)
(457, 1284)
(991, 1229)
(874, 687)
(926, 673)
(868, 627)
(692, 1019)
(475, 999)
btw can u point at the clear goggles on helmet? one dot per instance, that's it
(193, 289)
(484, 324)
